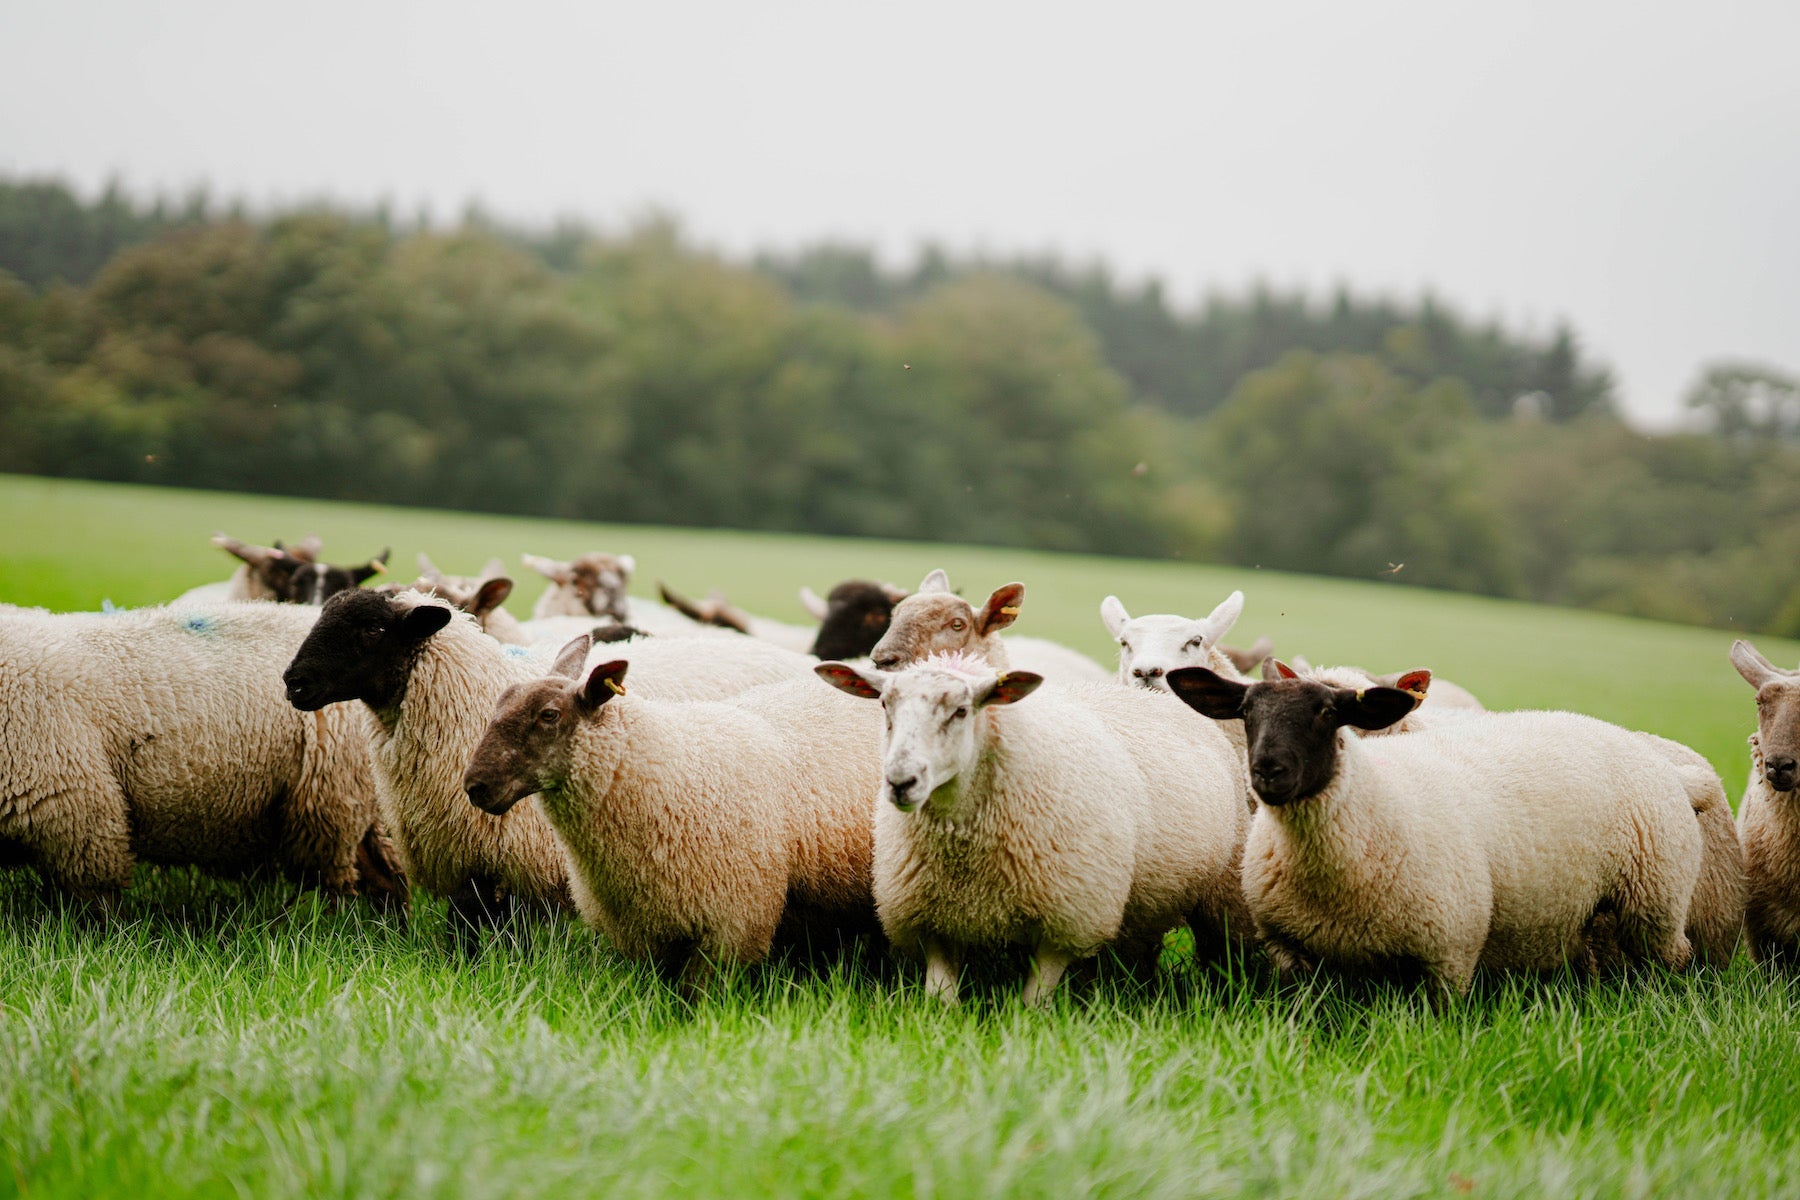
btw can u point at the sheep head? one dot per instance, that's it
(1777, 715)
(935, 620)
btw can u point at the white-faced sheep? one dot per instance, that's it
(429, 679)
(935, 620)
(595, 585)
(1152, 645)
(163, 735)
(694, 830)
(1064, 819)
(1768, 819)
(1490, 842)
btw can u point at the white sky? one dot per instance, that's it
(1633, 167)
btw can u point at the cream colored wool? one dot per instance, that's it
(1089, 816)
(1716, 913)
(703, 823)
(1489, 842)
(421, 750)
(165, 735)
(1770, 829)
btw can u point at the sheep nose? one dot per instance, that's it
(1779, 771)
(1148, 674)
(887, 662)
(900, 788)
(481, 795)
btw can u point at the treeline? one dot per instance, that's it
(634, 377)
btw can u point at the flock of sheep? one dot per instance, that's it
(678, 776)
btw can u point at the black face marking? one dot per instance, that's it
(857, 614)
(1290, 725)
(362, 647)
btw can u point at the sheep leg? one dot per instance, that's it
(1447, 982)
(1047, 967)
(942, 968)
(1292, 963)
(378, 873)
(473, 908)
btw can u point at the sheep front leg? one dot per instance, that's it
(1047, 967)
(943, 965)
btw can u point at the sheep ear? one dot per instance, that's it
(549, 568)
(427, 568)
(493, 568)
(627, 564)
(1001, 609)
(603, 683)
(256, 556)
(1418, 683)
(1372, 708)
(937, 581)
(1755, 669)
(679, 603)
(810, 601)
(573, 655)
(1113, 613)
(490, 595)
(424, 620)
(1245, 660)
(1010, 687)
(1274, 669)
(307, 548)
(1222, 618)
(1208, 693)
(375, 566)
(864, 682)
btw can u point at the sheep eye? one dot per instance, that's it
(958, 624)
(1195, 644)
(549, 716)
(959, 713)
(374, 633)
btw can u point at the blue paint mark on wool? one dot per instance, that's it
(516, 651)
(109, 608)
(200, 624)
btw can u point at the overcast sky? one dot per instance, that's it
(1631, 167)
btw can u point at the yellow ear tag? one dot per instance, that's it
(1359, 695)
(616, 689)
(1011, 610)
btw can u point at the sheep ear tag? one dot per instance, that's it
(606, 682)
(1416, 682)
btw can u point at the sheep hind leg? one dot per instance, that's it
(1047, 967)
(1658, 937)
(943, 967)
(474, 907)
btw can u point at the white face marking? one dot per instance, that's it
(1153, 645)
(932, 734)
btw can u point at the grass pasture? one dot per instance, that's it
(244, 1040)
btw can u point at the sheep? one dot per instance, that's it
(716, 610)
(483, 598)
(1093, 815)
(1716, 913)
(1490, 842)
(428, 678)
(1767, 821)
(935, 620)
(853, 618)
(162, 735)
(1151, 646)
(289, 576)
(692, 828)
(594, 585)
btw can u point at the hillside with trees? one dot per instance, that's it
(633, 376)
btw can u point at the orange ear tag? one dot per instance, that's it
(1011, 610)
(616, 689)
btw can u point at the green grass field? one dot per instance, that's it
(245, 1040)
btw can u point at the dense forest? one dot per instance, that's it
(633, 376)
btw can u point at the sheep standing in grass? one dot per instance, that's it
(163, 735)
(594, 585)
(693, 829)
(935, 620)
(289, 576)
(1063, 819)
(1489, 842)
(1768, 820)
(1152, 645)
(429, 679)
